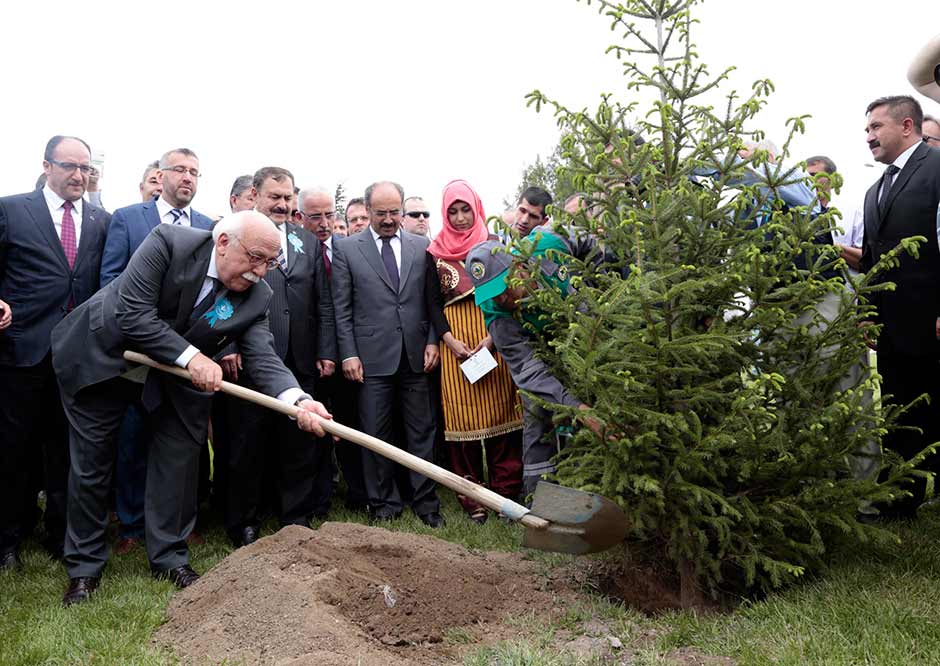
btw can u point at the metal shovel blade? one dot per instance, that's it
(579, 522)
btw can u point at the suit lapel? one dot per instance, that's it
(913, 164)
(196, 267)
(89, 232)
(36, 205)
(371, 253)
(151, 214)
(872, 218)
(291, 252)
(407, 258)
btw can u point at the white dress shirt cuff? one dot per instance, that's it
(187, 356)
(292, 395)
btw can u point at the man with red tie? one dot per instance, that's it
(51, 242)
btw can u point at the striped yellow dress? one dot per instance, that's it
(491, 406)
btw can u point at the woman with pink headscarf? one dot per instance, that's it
(485, 416)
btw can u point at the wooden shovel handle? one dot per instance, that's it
(458, 484)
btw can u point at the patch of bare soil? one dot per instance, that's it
(351, 594)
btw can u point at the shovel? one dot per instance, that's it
(561, 519)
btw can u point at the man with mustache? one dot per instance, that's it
(50, 254)
(185, 294)
(903, 203)
(301, 321)
(388, 324)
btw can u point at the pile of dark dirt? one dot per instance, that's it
(352, 594)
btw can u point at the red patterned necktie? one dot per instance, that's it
(68, 234)
(326, 259)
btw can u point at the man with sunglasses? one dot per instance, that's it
(417, 216)
(252, 438)
(50, 254)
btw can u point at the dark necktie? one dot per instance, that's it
(69, 244)
(177, 214)
(886, 184)
(202, 307)
(326, 259)
(388, 258)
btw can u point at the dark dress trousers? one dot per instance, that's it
(907, 347)
(150, 309)
(388, 330)
(39, 286)
(251, 438)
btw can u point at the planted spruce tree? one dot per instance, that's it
(733, 406)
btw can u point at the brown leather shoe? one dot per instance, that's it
(182, 576)
(126, 545)
(79, 590)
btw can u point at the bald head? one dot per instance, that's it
(246, 243)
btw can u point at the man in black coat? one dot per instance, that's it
(901, 204)
(185, 295)
(50, 256)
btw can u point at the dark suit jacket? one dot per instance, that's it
(372, 320)
(128, 229)
(35, 278)
(909, 313)
(301, 311)
(148, 309)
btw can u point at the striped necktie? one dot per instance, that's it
(177, 214)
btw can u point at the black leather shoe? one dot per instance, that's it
(182, 576)
(79, 590)
(247, 535)
(10, 561)
(433, 519)
(383, 515)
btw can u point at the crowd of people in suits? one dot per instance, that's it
(360, 317)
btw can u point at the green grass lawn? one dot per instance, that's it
(876, 605)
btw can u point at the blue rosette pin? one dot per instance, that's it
(296, 243)
(223, 310)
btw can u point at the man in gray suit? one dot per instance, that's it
(381, 296)
(185, 294)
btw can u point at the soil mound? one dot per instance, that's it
(350, 594)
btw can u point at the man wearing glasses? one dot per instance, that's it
(50, 254)
(357, 217)
(387, 330)
(931, 131)
(179, 171)
(417, 216)
(252, 438)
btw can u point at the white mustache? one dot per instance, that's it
(251, 277)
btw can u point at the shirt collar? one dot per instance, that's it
(377, 238)
(905, 156)
(213, 271)
(164, 207)
(55, 202)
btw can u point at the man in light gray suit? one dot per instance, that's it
(387, 333)
(185, 294)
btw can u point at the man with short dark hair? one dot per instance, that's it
(357, 217)
(388, 340)
(151, 185)
(417, 216)
(531, 210)
(50, 256)
(300, 318)
(903, 203)
(241, 197)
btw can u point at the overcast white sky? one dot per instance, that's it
(420, 92)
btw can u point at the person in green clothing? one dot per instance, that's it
(489, 265)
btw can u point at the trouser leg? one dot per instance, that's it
(375, 415)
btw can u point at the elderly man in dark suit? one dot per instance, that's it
(50, 255)
(184, 296)
(903, 203)
(387, 336)
(301, 321)
(128, 229)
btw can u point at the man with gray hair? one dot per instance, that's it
(184, 295)
(151, 185)
(242, 196)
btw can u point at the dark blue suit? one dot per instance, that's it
(129, 227)
(39, 286)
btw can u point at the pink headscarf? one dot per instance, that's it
(451, 244)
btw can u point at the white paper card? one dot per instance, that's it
(478, 365)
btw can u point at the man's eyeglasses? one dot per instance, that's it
(382, 214)
(316, 217)
(358, 218)
(418, 213)
(181, 170)
(71, 166)
(257, 259)
(932, 140)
